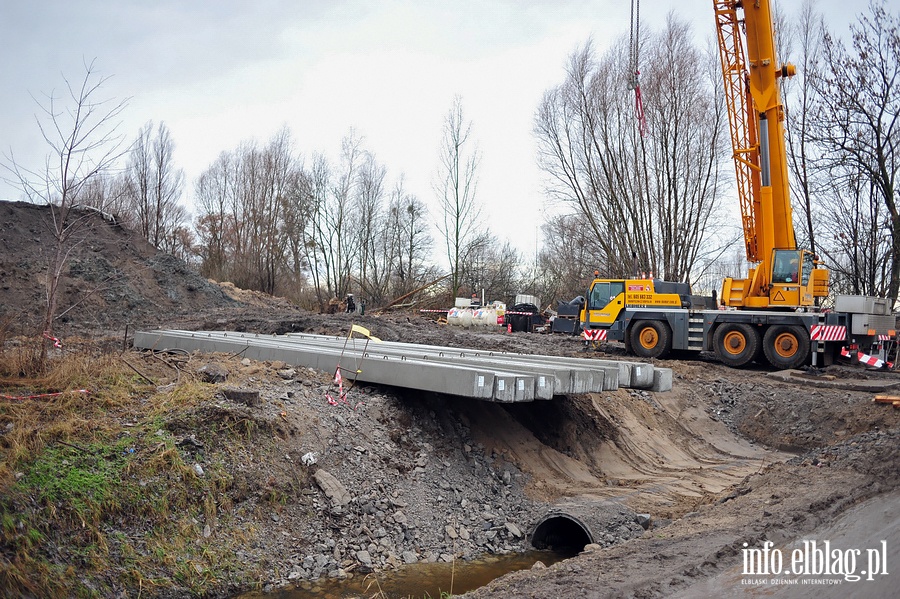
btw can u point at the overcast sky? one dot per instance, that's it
(219, 72)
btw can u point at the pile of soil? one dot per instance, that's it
(727, 457)
(111, 278)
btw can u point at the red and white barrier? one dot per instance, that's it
(827, 332)
(594, 334)
(866, 359)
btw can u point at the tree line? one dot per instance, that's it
(625, 197)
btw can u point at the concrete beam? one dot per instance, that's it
(482, 374)
(557, 379)
(480, 383)
(585, 375)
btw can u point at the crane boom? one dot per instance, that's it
(743, 134)
(756, 118)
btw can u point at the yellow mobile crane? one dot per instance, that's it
(773, 311)
(784, 276)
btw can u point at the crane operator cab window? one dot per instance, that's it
(604, 293)
(787, 266)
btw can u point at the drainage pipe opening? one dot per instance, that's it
(562, 533)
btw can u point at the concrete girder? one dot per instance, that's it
(584, 375)
(482, 374)
(480, 383)
(559, 379)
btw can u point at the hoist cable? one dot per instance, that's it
(633, 55)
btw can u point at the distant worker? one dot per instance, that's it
(351, 305)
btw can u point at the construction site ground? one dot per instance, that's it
(726, 460)
(727, 457)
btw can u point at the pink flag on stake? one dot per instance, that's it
(339, 381)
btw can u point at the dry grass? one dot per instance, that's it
(84, 450)
(70, 399)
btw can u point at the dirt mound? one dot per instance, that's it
(253, 298)
(111, 278)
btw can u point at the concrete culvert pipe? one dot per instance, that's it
(568, 527)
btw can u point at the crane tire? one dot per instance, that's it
(786, 346)
(736, 344)
(650, 339)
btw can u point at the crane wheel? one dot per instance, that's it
(736, 344)
(650, 339)
(786, 346)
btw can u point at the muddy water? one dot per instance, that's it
(418, 580)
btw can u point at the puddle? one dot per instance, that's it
(416, 581)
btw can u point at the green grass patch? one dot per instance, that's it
(78, 482)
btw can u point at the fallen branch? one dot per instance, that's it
(141, 374)
(414, 291)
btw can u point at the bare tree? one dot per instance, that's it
(339, 240)
(680, 164)
(583, 128)
(241, 199)
(276, 166)
(80, 130)
(333, 244)
(317, 238)
(375, 258)
(856, 122)
(859, 251)
(298, 204)
(107, 193)
(154, 186)
(213, 192)
(568, 258)
(491, 267)
(456, 187)
(411, 240)
(650, 197)
(267, 222)
(182, 244)
(799, 99)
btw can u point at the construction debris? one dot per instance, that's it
(891, 399)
